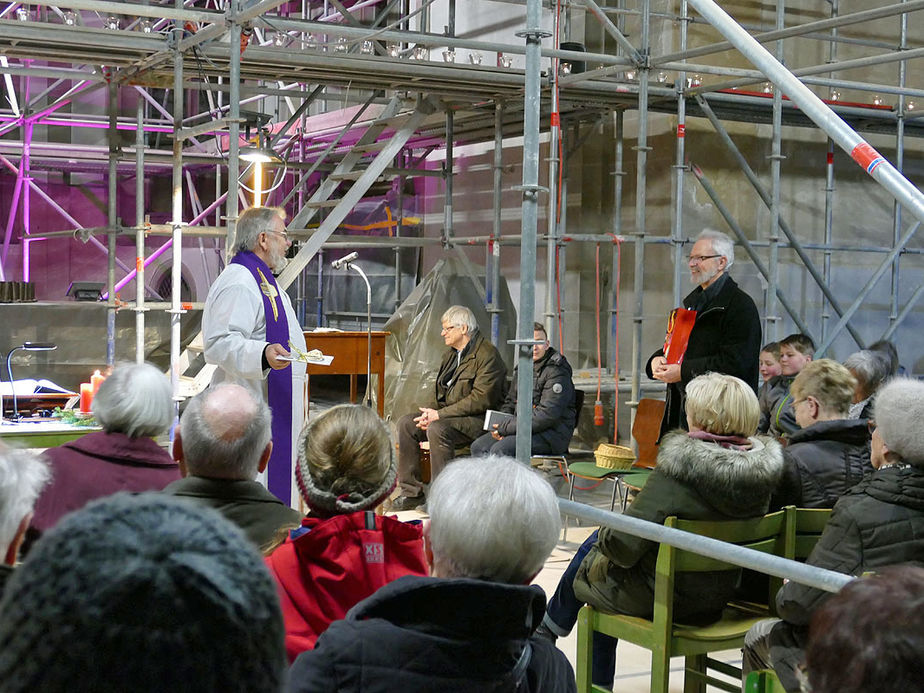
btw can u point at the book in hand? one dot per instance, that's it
(679, 326)
(492, 416)
(30, 386)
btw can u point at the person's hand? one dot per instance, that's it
(427, 417)
(666, 373)
(495, 434)
(272, 353)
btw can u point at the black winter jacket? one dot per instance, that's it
(878, 522)
(725, 339)
(694, 480)
(420, 634)
(553, 401)
(821, 462)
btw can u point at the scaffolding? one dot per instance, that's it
(356, 93)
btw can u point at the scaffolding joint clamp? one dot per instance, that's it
(777, 157)
(531, 190)
(536, 34)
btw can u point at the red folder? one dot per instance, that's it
(679, 326)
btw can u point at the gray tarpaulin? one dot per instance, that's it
(414, 349)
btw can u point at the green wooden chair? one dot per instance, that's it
(763, 681)
(804, 527)
(666, 639)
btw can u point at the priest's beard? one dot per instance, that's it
(278, 262)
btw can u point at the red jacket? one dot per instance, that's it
(339, 562)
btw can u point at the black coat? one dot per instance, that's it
(725, 339)
(821, 462)
(553, 402)
(878, 522)
(420, 634)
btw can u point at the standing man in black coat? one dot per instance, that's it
(726, 335)
(553, 406)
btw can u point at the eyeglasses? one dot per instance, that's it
(699, 258)
(446, 328)
(285, 236)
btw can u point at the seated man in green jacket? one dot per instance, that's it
(471, 380)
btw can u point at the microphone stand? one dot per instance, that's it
(367, 397)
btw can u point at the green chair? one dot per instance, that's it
(763, 681)
(804, 527)
(666, 639)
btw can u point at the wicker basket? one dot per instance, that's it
(614, 456)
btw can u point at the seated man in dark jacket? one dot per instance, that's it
(553, 406)
(469, 628)
(471, 380)
(222, 444)
(878, 522)
(830, 453)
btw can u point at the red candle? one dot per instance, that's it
(86, 397)
(96, 380)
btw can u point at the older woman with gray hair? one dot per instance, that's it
(871, 368)
(133, 405)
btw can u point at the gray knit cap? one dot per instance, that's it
(141, 593)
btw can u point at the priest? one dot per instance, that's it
(249, 328)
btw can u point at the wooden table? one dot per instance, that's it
(349, 352)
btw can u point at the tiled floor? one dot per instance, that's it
(633, 665)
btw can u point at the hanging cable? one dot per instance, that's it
(598, 405)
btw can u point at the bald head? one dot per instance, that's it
(224, 433)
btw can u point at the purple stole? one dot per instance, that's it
(278, 383)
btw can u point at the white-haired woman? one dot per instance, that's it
(717, 470)
(133, 405)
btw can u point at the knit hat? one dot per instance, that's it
(141, 593)
(346, 493)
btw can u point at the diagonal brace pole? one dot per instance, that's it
(746, 244)
(859, 149)
(784, 226)
(884, 266)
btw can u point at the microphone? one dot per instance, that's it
(345, 260)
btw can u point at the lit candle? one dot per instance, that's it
(96, 380)
(86, 397)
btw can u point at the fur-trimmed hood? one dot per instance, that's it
(735, 482)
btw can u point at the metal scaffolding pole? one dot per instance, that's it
(495, 245)
(900, 166)
(618, 175)
(112, 221)
(234, 128)
(771, 315)
(553, 272)
(642, 150)
(176, 310)
(529, 227)
(680, 165)
(139, 234)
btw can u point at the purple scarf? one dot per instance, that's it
(278, 383)
(732, 442)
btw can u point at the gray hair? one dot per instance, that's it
(721, 244)
(460, 316)
(230, 454)
(23, 475)
(870, 368)
(252, 223)
(898, 412)
(136, 399)
(491, 518)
